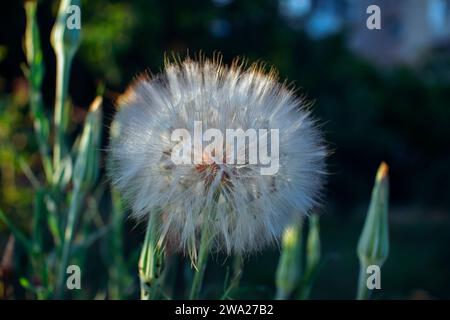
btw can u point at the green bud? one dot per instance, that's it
(66, 36)
(289, 266)
(373, 246)
(313, 244)
(87, 163)
(32, 47)
(313, 256)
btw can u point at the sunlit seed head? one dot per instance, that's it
(243, 209)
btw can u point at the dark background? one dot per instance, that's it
(379, 95)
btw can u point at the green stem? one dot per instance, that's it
(305, 288)
(62, 85)
(145, 263)
(35, 75)
(238, 265)
(75, 205)
(39, 121)
(363, 292)
(150, 261)
(307, 283)
(281, 294)
(205, 243)
(117, 270)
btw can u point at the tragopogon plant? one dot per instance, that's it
(217, 197)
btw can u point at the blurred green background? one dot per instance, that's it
(379, 94)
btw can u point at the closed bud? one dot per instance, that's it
(32, 46)
(87, 162)
(289, 267)
(66, 40)
(373, 245)
(313, 244)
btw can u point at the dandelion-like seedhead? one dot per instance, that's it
(242, 209)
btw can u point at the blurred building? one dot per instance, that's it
(409, 28)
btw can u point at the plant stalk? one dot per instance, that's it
(205, 243)
(150, 261)
(74, 209)
(363, 292)
(62, 85)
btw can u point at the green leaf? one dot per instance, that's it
(16, 232)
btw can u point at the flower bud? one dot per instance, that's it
(313, 244)
(373, 245)
(32, 47)
(64, 40)
(87, 163)
(289, 267)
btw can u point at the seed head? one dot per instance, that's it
(243, 209)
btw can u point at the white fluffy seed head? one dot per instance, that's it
(242, 209)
